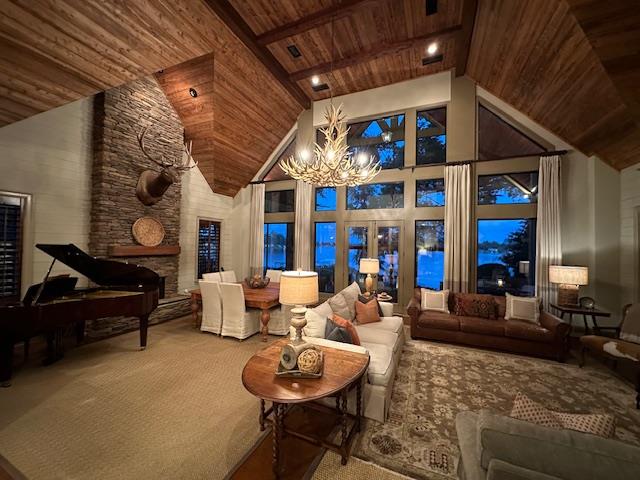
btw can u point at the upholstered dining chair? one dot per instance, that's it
(211, 306)
(624, 346)
(228, 276)
(237, 321)
(274, 275)
(211, 277)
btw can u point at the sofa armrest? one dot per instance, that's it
(552, 323)
(413, 309)
(387, 309)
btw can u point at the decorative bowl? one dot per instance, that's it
(587, 302)
(257, 281)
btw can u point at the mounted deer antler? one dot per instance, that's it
(152, 185)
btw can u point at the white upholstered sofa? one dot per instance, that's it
(383, 341)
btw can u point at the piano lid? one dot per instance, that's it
(108, 273)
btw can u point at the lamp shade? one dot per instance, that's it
(369, 265)
(569, 275)
(298, 288)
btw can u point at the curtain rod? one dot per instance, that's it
(446, 164)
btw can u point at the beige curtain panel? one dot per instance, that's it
(457, 226)
(256, 229)
(302, 250)
(548, 230)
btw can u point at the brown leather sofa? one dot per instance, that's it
(549, 339)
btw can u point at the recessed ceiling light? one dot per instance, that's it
(193, 92)
(315, 80)
(432, 48)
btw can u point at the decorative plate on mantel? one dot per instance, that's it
(148, 232)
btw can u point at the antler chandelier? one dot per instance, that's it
(332, 164)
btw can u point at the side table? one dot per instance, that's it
(572, 310)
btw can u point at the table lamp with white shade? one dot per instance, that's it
(298, 289)
(569, 279)
(370, 266)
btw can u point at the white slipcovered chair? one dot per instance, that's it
(274, 275)
(228, 276)
(237, 321)
(211, 277)
(211, 307)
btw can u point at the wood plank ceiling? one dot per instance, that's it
(570, 65)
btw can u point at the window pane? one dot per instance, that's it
(10, 247)
(389, 258)
(208, 247)
(382, 137)
(508, 188)
(325, 199)
(498, 139)
(431, 136)
(376, 195)
(506, 256)
(325, 255)
(430, 192)
(279, 201)
(278, 246)
(358, 248)
(430, 254)
(276, 173)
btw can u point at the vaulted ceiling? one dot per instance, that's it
(571, 65)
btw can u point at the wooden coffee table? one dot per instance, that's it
(343, 372)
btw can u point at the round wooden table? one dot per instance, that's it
(343, 371)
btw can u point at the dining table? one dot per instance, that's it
(263, 299)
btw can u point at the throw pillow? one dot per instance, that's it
(523, 308)
(316, 324)
(475, 305)
(336, 333)
(339, 306)
(630, 328)
(350, 295)
(348, 326)
(365, 299)
(434, 301)
(367, 312)
(526, 409)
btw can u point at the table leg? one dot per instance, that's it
(358, 404)
(596, 327)
(586, 323)
(277, 432)
(194, 309)
(261, 418)
(264, 318)
(343, 442)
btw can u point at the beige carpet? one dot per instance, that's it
(330, 468)
(110, 411)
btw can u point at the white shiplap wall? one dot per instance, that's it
(629, 234)
(49, 157)
(199, 201)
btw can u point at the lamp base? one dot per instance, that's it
(368, 283)
(568, 295)
(298, 321)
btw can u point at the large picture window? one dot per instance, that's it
(499, 139)
(376, 195)
(509, 188)
(276, 173)
(381, 137)
(279, 201)
(10, 247)
(506, 256)
(431, 136)
(326, 200)
(430, 254)
(325, 255)
(430, 192)
(278, 246)
(208, 246)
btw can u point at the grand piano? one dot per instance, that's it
(51, 306)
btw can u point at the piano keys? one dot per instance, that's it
(48, 308)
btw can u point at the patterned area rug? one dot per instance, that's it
(436, 381)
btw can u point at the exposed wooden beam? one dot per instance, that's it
(463, 40)
(225, 11)
(316, 19)
(378, 51)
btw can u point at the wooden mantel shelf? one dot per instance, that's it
(142, 251)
